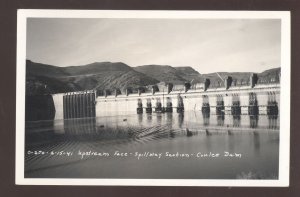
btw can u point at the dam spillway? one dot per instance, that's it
(262, 99)
(75, 105)
(79, 104)
(235, 101)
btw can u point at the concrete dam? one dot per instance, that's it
(249, 99)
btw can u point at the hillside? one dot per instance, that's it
(269, 75)
(37, 69)
(105, 75)
(189, 74)
(44, 79)
(242, 78)
(96, 68)
(169, 74)
(239, 77)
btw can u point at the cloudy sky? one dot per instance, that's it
(208, 45)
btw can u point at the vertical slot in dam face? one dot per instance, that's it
(253, 104)
(149, 106)
(205, 105)
(79, 105)
(236, 107)
(272, 108)
(158, 105)
(180, 104)
(220, 108)
(139, 108)
(169, 105)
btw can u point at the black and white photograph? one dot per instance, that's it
(177, 98)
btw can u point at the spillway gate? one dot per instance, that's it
(79, 104)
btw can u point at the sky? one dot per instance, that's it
(207, 45)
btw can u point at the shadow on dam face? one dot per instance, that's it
(39, 107)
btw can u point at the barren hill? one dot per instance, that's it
(42, 78)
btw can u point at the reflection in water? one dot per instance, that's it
(273, 122)
(220, 120)
(236, 121)
(149, 117)
(158, 118)
(80, 126)
(180, 119)
(206, 117)
(140, 118)
(256, 140)
(158, 132)
(169, 118)
(253, 121)
(188, 133)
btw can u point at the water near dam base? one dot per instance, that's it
(188, 145)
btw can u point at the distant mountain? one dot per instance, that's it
(169, 74)
(37, 69)
(223, 75)
(217, 79)
(242, 77)
(189, 74)
(103, 75)
(269, 75)
(43, 78)
(96, 68)
(187, 70)
(161, 73)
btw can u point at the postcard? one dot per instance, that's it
(154, 98)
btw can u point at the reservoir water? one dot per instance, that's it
(154, 146)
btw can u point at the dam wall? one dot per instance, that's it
(261, 99)
(193, 100)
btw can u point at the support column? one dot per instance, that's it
(77, 105)
(228, 82)
(93, 104)
(220, 109)
(149, 106)
(83, 105)
(205, 105)
(72, 105)
(69, 106)
(180, 105)
(80, 106)
(139, 109)
(187, 86)
(154, 89)
(253, 80)
(169, 87)
(253, 105)
(65, 106)
(206, 84)
(87, 109)
(235, 108)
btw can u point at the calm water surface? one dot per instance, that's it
(169, 145)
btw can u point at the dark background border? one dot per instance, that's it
(8, 24)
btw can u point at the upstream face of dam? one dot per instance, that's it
(245, 100)
(263, 100)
